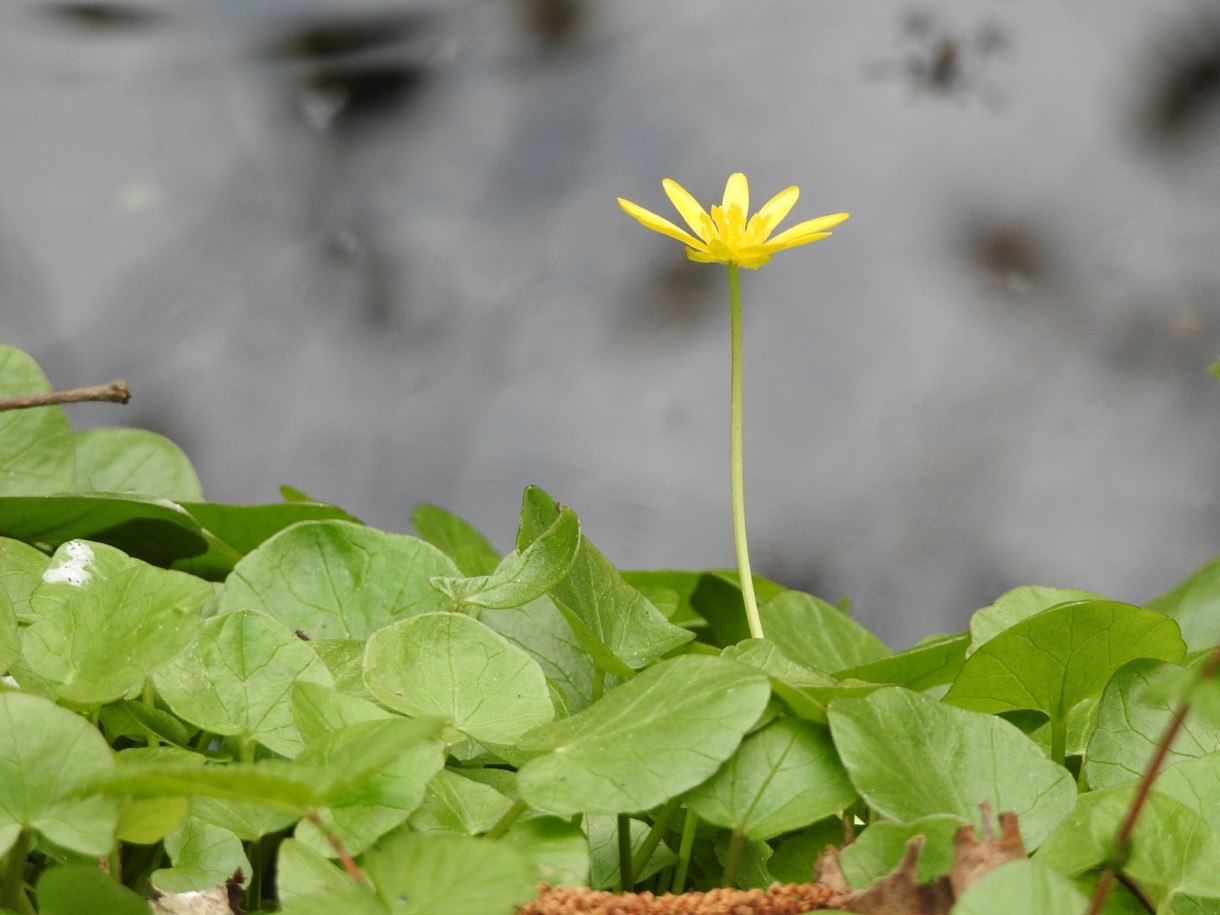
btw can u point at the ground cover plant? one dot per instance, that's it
(218, 708)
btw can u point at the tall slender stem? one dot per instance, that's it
(739, 496)
(684, 850)
(626, 878)
(732, 858)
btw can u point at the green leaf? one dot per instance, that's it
(910, 756)
(204, 856)
(457, 805)
(105, 622)
(1130, 724)
(931, 662)
(318, 711)
(146, 822)
(10, 645)
(450, 875)
(46, 754)
(83, 889)
(1051, 661)
(385, 797)
(143, 527)
(36, 450)
(134, 460)
(237, 677)
(792, 682)
(614, 622)
(1020, 888)
(1195, 783)
(543, 632)
(603, 850)
(795, 854)
(453, 667)
(878, 850)
(273, 783)
(246, 820)
(781, 778)
(681, 584)
(815, 634)
(344, 658)
(21, 568)
(1195, 604)
(1172, 849)
(560, 850)
(457, 539)
(301, 873)
(524, 577)
(233, 531)
(1015, 605)
(645, 741)
(717, 600)
(334, 579)
(135, 719)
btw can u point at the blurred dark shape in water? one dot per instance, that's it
(355, 71)
(1183, 94)
(554, 22)
(1010, 253)
(103, 16)
(945, 61)
(378, 296)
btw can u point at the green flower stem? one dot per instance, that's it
(684, 850)
(653, 839)
(626, 878)
(732, 859)
(739, 496)
(510, 816)
(12, 889)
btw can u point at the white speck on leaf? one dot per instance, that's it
(73, 568)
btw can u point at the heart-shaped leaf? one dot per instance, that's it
(1130, 722)
(645, 741)
(105, 622)
(910, 756)
(36, 449)
(1021, 888)
(450, 875)
(237, 679)
(451, 666)
(781, 778)
(815, 634)
(334, 579)
(1055, 659)
(46, 754)
(134, 460)
(1015, 605)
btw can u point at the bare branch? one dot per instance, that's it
(115, 392)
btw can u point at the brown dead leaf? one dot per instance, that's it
(900, 893)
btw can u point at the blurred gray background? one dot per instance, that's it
(371, 249)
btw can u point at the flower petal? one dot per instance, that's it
(795, 235)
(657, 224)
(772, 214)
(737, 194)
(687, 206)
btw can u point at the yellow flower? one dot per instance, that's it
(725, 237)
